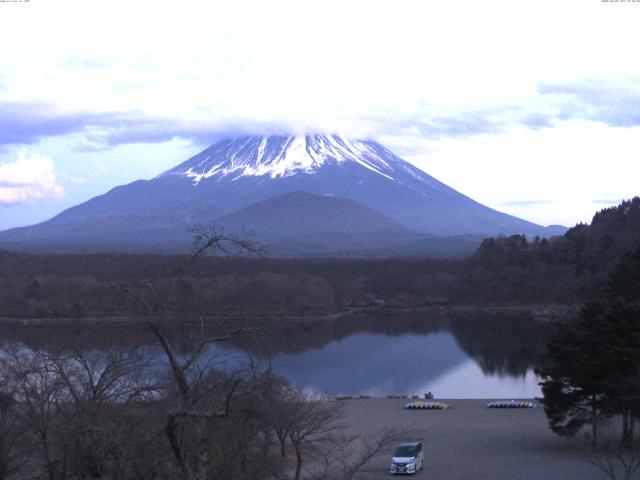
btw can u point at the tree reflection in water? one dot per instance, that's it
(353, 354)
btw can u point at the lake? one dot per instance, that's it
(411, 354)
(411, 363)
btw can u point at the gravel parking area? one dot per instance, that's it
(471, 442)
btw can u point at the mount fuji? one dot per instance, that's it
(280, 177)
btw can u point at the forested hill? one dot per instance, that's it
(503, 271)
(560, 269)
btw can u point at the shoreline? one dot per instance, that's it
(417, 398)
(543, 313)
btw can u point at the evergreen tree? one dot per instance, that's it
(573, 383)
(622, 337)
(624, 281)
(593, 367)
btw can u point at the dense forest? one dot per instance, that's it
(503, 271)
(563, 269)
(87, 285)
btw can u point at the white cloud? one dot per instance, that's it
(27, 179)
(531, 83)
(568, 167)
(75, 180)
(301, 64)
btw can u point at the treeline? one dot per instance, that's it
(505, 270)
(79, 286)
(564, 269)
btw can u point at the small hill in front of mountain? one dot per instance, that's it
(304, 224)
(301, 213)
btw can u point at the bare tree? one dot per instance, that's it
(617, 460)
(312, 422)
(10, 434)
(103, 386)
(280, 400)
(115, 376)
(202, 395)
(39, 394)
(208, 240)
(116, 414)
(140, 449)
(349, 456)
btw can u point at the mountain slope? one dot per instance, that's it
(235, 173)
(240, 171)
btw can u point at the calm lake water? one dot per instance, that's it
(378, 365)
(453, 357)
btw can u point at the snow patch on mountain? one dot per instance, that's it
(278, 156)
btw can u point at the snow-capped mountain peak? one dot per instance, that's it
(284, 156)
(315, 184)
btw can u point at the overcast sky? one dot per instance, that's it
(532, 108)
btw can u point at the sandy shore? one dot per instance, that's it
(472, 442)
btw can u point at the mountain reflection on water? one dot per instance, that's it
(454, 356)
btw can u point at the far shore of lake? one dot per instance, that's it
(544, 313)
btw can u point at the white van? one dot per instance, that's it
(408, 458)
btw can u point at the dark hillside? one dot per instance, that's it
(562, 269)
